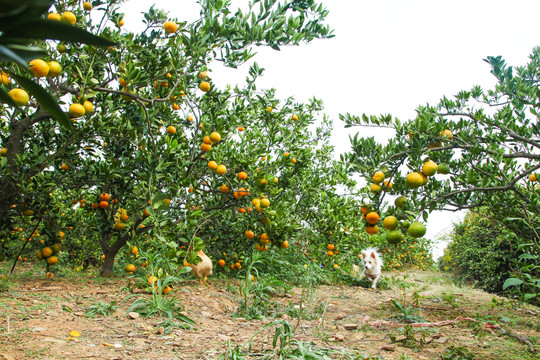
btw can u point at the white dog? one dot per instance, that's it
(372, 262)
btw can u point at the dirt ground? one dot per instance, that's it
(37, 316)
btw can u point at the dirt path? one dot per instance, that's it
(37, 316)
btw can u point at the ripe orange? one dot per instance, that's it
(241, 210)
(4, 78)
(447, 134)
(221, 169)
(103, 204)
(388, 185)
(69, 17)
(378, 177)
(215, 137)
(121, 23)
(170, 27)
(175, 106)
(171, 130)
(293, 160)
(64, 167)
(429, 168)
(372, 229)
(221, 262)
(212, 165)
(167, 289)
(146, 213)
(224, 189)
(88, 106)
(152, 280)
(39, 255)
(390, 222)
(241, 128)
(364, 209)
(52, 260)
(130, 268)
(372, 218)
(532, 177)
(54, 69)
(87, 6)
(39, 67)
(265, 203)
(285, 244)
(76, 110)
(19, 96)
(330, 246)
(242, 175)
(294, 117)
(203, 75)
(54, 16)
(205, 86)
(414, 180)
(120, 226)
(237, 265)
(256, 202)
(249, 234)
(425, 179)
(134, 250)
(104, 196)
(400, 201)
(28, 212)
(207, 140)
(206, 147)
(330, 253)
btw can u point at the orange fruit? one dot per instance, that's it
(429, 168)
(285, 244)
(221, 169)
(293, 160)
(88, 106)
(212, 165)
(170, 27)
(417, 230)
(146, 213)
(532, 177)
(425, 179)
(206, 147)
(103, 204)
(55, 248)
(152, 280)
(129, 268)
(54, 16)
(171, 130)
(434, 144)
(39, 67)
(19, 96)
(207, 140)
(241, 128)
(39, 255)
(76, 110)
(372, 218)
(241, 210)
(237, 265)
(203, 75)
(205, 86)
(375, 188)
(378, 177)
(372, 229)
(125, 217)
(242, 175)
(120, 226)
(294, 117)
(28, 212)
(330, 246)
(175, 106)
(54, 69)
(221, 262)
(104, 196)
(388, 185)
(167, 289)
(256, 202)
(265, 203)
(46, 252)
(215, 137)
(64, 167)
(52, 260)
(390, 222)
(224, 189)
(249, 234)
(87, 6)
(400, 201)
(447, 134)
(414, 180)
(443, 169)
(4, 78)
(69, 17)
(330, 253)
(121, 23)
(364, 209)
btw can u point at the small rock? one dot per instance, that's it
(339, 317)
(38, 329)
(463, 339)
(389, 348)
(350, 326)
(428, 339)
(400, 338)
(339, 337)
(161, 330)
(441, 340)
(133, 315)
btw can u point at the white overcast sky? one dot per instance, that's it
(388, 56)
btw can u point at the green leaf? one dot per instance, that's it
(50, 29)
(512, 282)
(8, 55)
(46, 100)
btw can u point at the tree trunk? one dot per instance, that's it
(110, 252)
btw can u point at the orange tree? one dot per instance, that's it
(478, 149)
(141, 112)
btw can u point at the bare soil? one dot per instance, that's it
(37, 316)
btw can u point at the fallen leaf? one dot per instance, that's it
(74, 333)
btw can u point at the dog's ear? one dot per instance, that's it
(364, 254)
(373, 255)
